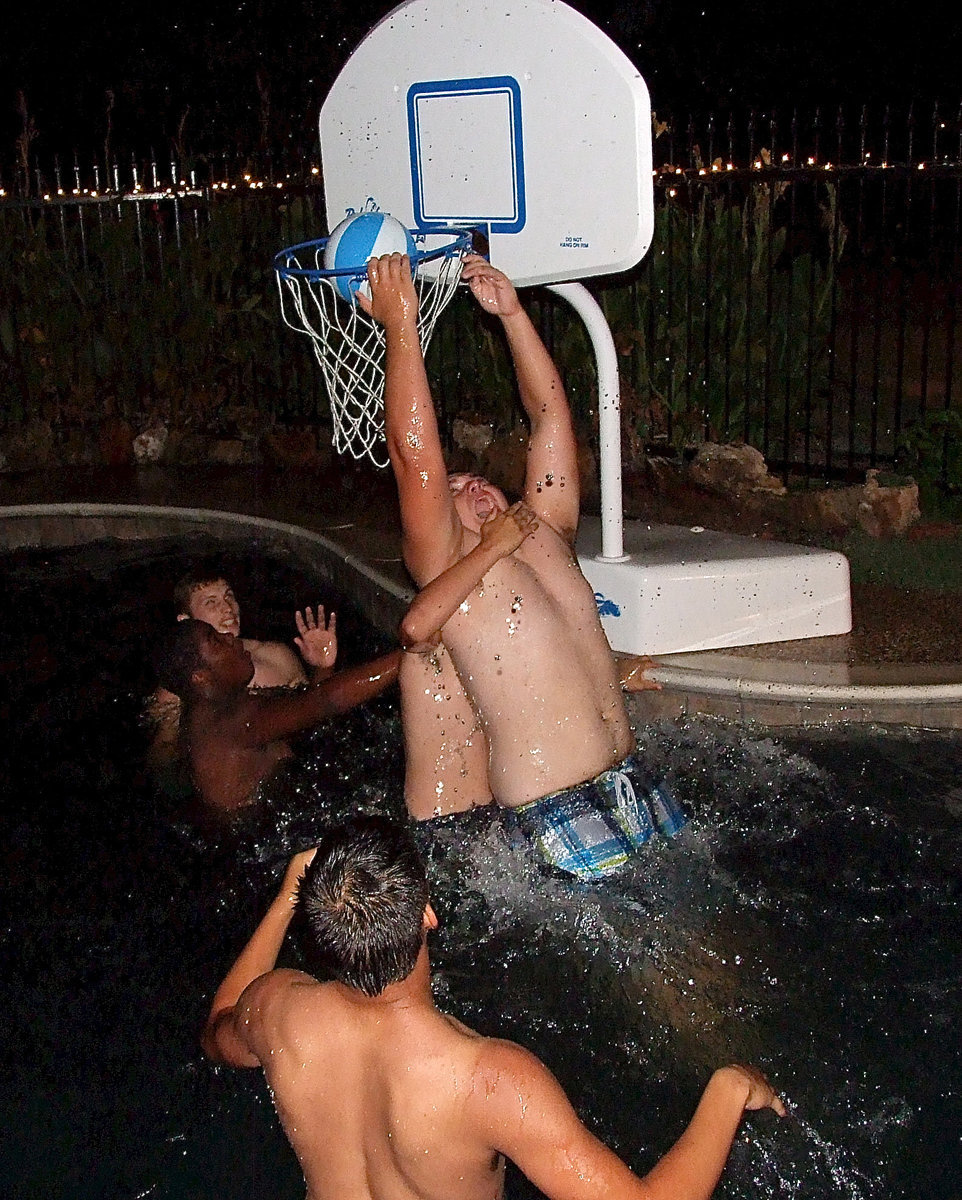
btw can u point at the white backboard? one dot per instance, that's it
(519, 115)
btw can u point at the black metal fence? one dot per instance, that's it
(801, 294)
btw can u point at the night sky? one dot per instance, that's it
(247, 70)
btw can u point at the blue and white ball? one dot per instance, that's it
(358, 238)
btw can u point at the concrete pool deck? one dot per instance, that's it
(349, 520)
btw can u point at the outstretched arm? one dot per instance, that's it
(531, 1121)
(693, 1166)
(501, 535)
(264, 719)
(225, 1037)
(551, 477)
(430, 529)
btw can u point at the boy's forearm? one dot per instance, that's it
(692, 1167)
(539, 382)
(351, 686)
(257, 958)
(438, 600)
(409, 417)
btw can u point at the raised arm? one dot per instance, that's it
(551, 478)
(431, 532)
(226, 1037)
(530, 1120)
(501, 535)
(265, 719)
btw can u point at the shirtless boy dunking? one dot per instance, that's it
(522, 631)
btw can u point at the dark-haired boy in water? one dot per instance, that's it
(205, 595)
(384, 1097)
(235, 738)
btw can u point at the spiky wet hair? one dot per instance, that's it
(361, 905)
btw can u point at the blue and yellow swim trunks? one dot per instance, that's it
(590, 830)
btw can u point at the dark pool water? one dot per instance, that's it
(809, 919)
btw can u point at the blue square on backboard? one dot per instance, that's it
(467, 153)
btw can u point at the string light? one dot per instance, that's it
(180, 187)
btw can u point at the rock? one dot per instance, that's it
(79, 448)
(887, 511)
(231, 452)
(283, 447)
(190, 448)
(733, 469)
(150, 444)
(243, 419)
(830, 510)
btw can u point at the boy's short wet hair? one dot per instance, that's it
(180, 655)
(360, 905)
(200, 575)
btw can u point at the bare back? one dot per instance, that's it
(376, 1099)
(535, 662)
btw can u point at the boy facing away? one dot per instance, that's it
(384, 1097)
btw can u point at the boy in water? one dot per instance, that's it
(384, 1097)
(209, 597)
(203, 594)
(235, 738)
(528, 657)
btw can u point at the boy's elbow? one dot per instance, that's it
(208, 1043)
(221, 1045)
(414, 640)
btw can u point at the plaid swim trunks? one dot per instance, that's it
(592, 829)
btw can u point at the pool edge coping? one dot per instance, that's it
(673, 677)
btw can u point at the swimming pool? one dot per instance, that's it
(809, 919)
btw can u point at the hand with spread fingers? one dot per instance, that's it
(317, 640)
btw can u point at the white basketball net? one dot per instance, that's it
(349, 345)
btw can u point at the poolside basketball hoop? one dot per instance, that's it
(348, 344)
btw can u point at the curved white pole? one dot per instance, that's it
(609, 416)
